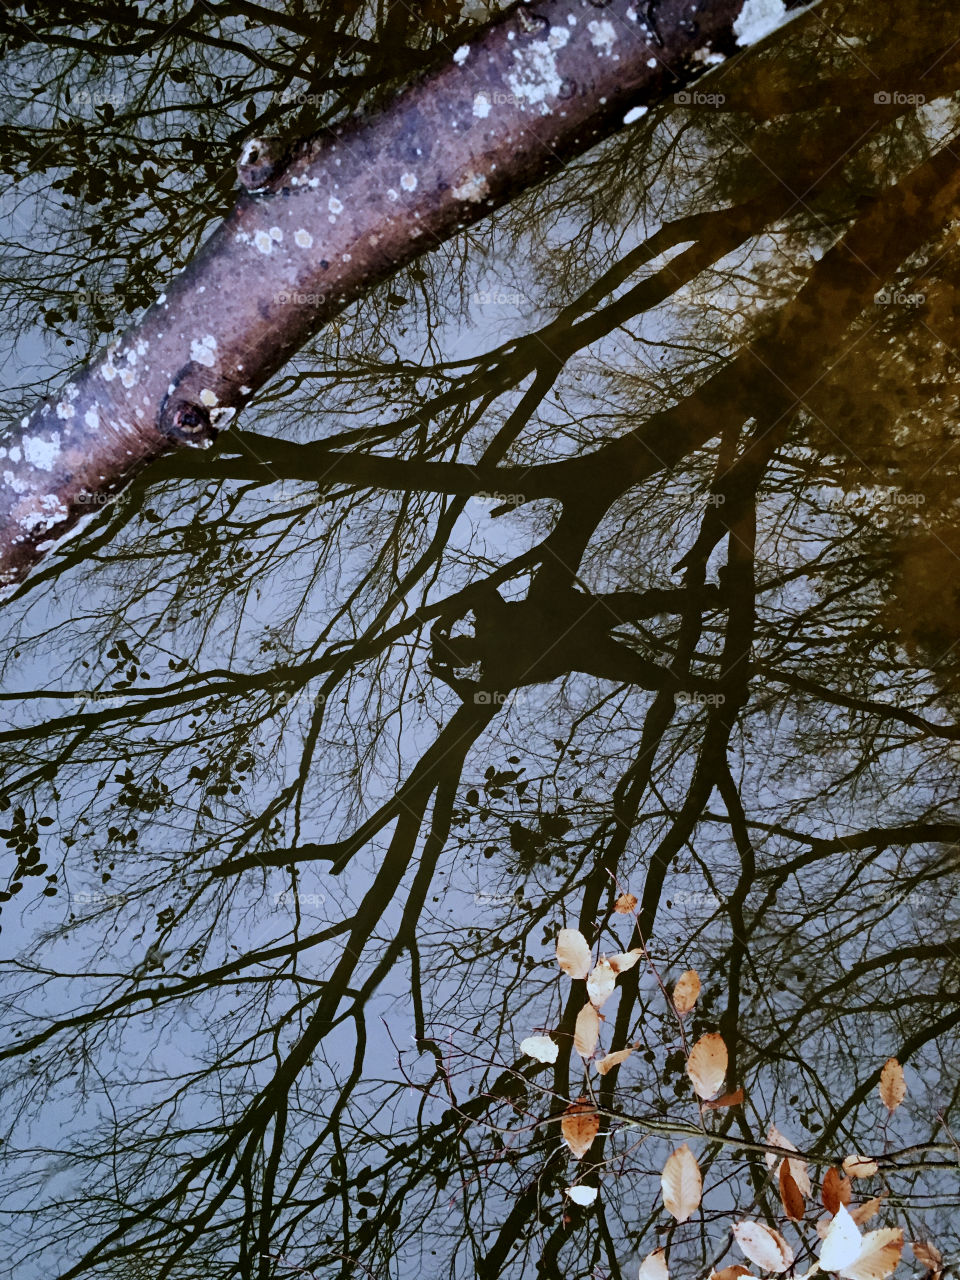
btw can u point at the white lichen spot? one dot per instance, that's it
(303, 238)
(128, 377)
(263, 242)
(635, 113)
(51, 512)
(12, 482)
(65, 410)
(209, 398)
(108, 370)
(71, 391)
(335, 205)
(41, 453)
(631, 14)
(345, 257)
(460, 56)
(408, 181)
(651, 62)
(244, 390)
(481, 106)
(161, 300)
(708, 58)
(558, 37)
(535, 77)
(313, 183)
(472, 187)
(573, 21)
(757, 19)
(203, 350)
(276, 234)
(602, 35)
(392, 195)
(222, 416)
(15, 453)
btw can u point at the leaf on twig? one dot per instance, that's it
(611, 1060)
(765, 1247)
(573, 953)
(726, 1100)
(682, 1184)
(864, 1212)
(859, 1166)
(734, 1272)
(625, 904)
(836, 1190)
(586, 1033)
(654, 1266)
(625, 960)
(798, 1167)
(579, 1126)
(790, 1195)
(686, 991)
(893, 1086)
(855, 1257)
(601, 982)
(540, 1047)
(707, 1064)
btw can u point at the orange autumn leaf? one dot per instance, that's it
(625, 904)
(707, 1064)
(579, 1126)
(586, 1033)
(681, 1183)
(836, 1190)
(790, 1196)
(686, 991)
(893, 1086)
(611, 1060)
(726, 1100)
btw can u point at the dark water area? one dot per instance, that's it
(304, 768)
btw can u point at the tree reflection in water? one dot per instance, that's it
(307, 758)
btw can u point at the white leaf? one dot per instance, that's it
(841, 1244)
(601, 982)
(765, 1247)
(540, 1047)
(654, 1266)
(573, 953)
(582, 1195)
(682, 1184)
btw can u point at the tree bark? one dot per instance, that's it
(322, 220)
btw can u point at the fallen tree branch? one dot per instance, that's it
(323, 220)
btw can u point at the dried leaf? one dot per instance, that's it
(928, 1255)
(878, 1257)
(586, 1033)
(864, 1212)
(841, 1244)
(625, 960)
(582, 1195)
(893, 1086)
(682, 1184)
(654, 1266)
(790, 1195)
(686, 991)
(836, 1190)
(611, 1060)
(859, 1166)
(707, 1064)
(731, 1273)
(765, 1247)
(601, 982)
(540, 1047)
(726, 1100)
(625, 904)
(573, 953)
(798, 1167)
(579, 1126)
